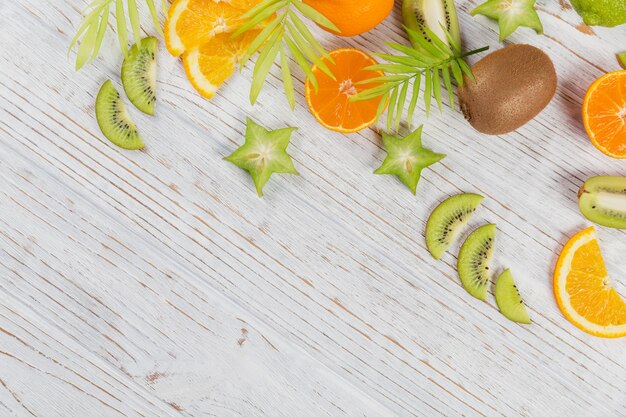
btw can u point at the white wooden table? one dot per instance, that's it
(156, 283)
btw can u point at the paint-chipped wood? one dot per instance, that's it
(156, 283)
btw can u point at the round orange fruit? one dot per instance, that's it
(583, 290)
(353, 17)
(604, 114)
(331, 104)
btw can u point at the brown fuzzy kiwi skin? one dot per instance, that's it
(512, 85)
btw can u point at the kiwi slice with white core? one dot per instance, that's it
(602, 200)
(139, 72)
(448, 220)
(509, 299)
(114, 120)
(434, 14)
(475, 259)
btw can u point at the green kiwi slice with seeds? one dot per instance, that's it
(448, 220)
(475, 260)
(509, 299)
(139, 72)
(114, 120)
(432, 14)
(602, 200)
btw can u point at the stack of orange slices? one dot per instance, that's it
(200, 31)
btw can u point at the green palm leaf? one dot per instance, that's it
(300, 42)
(431, 57)
(92, 30)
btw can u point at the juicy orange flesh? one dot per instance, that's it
(331, 103)
(590, 294)
(218, 57)
(203, 19)
(606, 113)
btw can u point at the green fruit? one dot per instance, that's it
(474, 260)
(264, 153)
(406, 158)
(510, 15)
(602, 200)
(448, 220)
(509, 300)
(139, 75)
(433, 14)
(607, 13)
(114, 120)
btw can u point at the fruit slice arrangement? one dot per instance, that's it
(583, 291)
(139, 71)
(445, 224)
(200, 31)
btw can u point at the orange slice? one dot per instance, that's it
(190, 23)
(583, 291)
(330, 105)
(604, 114)
(209, 65)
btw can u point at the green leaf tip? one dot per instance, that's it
(96, 22)
(406, 158)
(264, 153)
(621, 57)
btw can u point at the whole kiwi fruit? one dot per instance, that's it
(511, 86)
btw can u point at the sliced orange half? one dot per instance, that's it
(209, 65)
(330, 105)
(583, 290)
(604, 114)
(191, 23)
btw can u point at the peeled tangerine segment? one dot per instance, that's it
(509, 299)
(602, 200)
(448, 220)
(114, 120)
(475, 259)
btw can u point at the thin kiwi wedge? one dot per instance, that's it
(509, 299)
(114, 120)
(602, 200)
(432, 14)
(475, 259)
(139, 72)
(448, 220)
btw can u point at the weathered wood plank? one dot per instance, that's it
(143, 269)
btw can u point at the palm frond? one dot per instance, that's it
(91, 32)
(436, 62)
(296, 38)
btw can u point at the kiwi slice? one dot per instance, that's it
(474, 260)
(433, 14)
(602, 200)
(139, 74)
(447, 221)
(509, 300)
(114, 120)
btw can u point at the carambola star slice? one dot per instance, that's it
(264, 153)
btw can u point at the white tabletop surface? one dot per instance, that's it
(156, 283)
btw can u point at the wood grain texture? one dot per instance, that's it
(156, 283)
